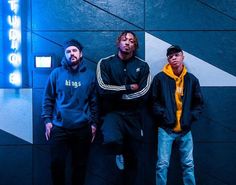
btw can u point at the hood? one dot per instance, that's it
(168, 70)
(66, 64)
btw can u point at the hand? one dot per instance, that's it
(134, 87)
(93, 128)
(48, 128)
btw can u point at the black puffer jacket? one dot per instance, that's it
(164, 105)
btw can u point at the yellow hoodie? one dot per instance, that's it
(179, 92)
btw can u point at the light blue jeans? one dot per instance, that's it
(185, 147)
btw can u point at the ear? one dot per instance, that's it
(81, 54)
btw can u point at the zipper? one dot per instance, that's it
(125, 73)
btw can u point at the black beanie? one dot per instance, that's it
(73, 42)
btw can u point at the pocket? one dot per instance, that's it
(168, 117)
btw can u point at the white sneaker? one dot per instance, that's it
(120, 162)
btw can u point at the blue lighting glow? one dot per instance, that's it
(15, 78)
(13, 43)
(15, 59)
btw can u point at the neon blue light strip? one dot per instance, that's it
(14, 37)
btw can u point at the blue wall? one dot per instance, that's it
(1, 38)
(205, 29)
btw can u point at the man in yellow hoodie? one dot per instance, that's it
(177, 102)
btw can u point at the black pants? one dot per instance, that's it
(123, 133)
(63, 141)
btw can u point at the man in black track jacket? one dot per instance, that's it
(123, 84)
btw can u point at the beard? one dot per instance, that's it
(75, 62)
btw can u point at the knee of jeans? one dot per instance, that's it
(187, 164)
(162, 164)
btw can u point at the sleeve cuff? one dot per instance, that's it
(47, 120)
(127, 87)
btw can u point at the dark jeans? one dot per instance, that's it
(77, 141)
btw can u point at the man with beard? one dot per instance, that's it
(123, 84)
(69, 111)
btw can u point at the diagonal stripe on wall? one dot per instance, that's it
(16, 112)
(131, 12)
(208, 75)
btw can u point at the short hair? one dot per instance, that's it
(124, 33)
